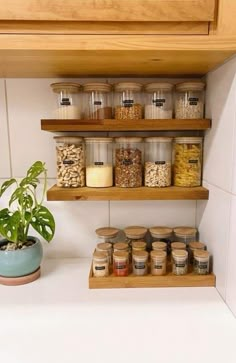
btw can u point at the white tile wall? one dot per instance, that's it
(5, 170)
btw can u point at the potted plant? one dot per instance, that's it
(21, 253)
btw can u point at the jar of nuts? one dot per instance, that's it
(128, 156)
(158, 152)
(189, 100)
(187, 167)
(158, 100)
(67, 100)
(128, 103)
(97, 101)
(70, 161)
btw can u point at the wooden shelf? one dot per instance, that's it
(125, 125)
(114, 193)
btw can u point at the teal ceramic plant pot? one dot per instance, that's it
(21, 262)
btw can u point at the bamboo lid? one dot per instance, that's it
(68, 139)
(197, 245)
(121, 246)
(98, 255)
(190, 86)
(178, 246)
(65, 86)
(161, 232)
(107, 232)
(131, 86)
(104, 246)
(200, 254)
(181, 254)
(159, 246)
(185, 231)
(97, 86)
(164, 86)
(91, 140)
(138, 244)
(135, 232)
(159, 255)
(188, 140)
(120, 255)
(140, 255)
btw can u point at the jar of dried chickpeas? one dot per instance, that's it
(187, 167)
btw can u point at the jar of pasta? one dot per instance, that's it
(120, 263)
(100, 264)
(187, 161)
(140, 263)
(201, 262)
(185, 234)
(128, 104)
(195, 246)
(189, 100)
(158, 263)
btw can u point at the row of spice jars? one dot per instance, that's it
(128, 156)
(128, 102)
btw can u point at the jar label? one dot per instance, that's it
(128, 103)
(180, 265)
(97, 103)
(159, 102)
(140, 265)
(160, 162)
(201, 265)
(158, 267)
(98, 163)
(65, 101)
(68, 162)
(100, 268)
(193, 101)
(120, 266)
(193, 161)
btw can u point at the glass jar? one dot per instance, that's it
(128, 104)
(70, 161)
(138, 246)
(158, 101)
(178, 246)
(67, 100)
(140, 263)
(135, 234)
(159, 246)
(120, 263)
(185, 234)
(105, 247)
(187, 166)
(97, 101)
(100, 264)
(121, 246)
(194, 246)
(158, 263)
(201, 262)
(189, 100)
(179, 262)
(107, 234)
(158, 151)
(99, 170)
(128, 155)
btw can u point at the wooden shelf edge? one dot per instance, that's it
(125, 125)
(113, 193)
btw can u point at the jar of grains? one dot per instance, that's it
(128, 155)
(158, 101)
(189, 100)
(158, 263)
(99, 170)
(127, 99)
(185, 234)
(120, 263)
(179, 262)
(70, 161)
(187, 166)
(105, 247)
(201, 262)
(140, 263)
(67, 100)
(157, 153)
(100, 264)
(195, 246)
(97, 101)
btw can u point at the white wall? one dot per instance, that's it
(216, 217)
(22, 142)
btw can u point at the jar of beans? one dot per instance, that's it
(128, 161)
(128, 102)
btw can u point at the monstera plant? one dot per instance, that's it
(25, 209)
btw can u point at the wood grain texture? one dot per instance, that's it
(125, 125)
(224, 23)
(108, 10)
(114, 193)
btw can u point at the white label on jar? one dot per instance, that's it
(159, 102)
(128, 103)
(160, 162)
(193, 101)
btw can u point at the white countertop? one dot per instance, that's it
(58, 319)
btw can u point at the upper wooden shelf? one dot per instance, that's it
(114, 193)
(125, 125)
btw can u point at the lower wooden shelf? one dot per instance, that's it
(114, 193)
(168, 280)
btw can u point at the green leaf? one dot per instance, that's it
(17, 195)
(27, 202)
(43, 222)
(35, 170)
(6, 185)
(9, 224)
(29, 181)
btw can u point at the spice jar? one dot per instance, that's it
(70, 161)
(162, 234)
(138, 246)
(97, 101)
(201, 262)
(105, 247)
(67, 100)
(158, 101)
(120, 263)
(107, 234)
(140, 263)
(159, 246)
(178, 246)
(158, 263)
(185, 234)
(128, 162)
(100, 264)
(99, 170)
(158, 151)
(189, 100)
(194, 246)
(179, 262)
(121, 246)
(128, 104)
(187, 161)
(135, 233)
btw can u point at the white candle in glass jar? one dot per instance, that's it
(99, 176)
